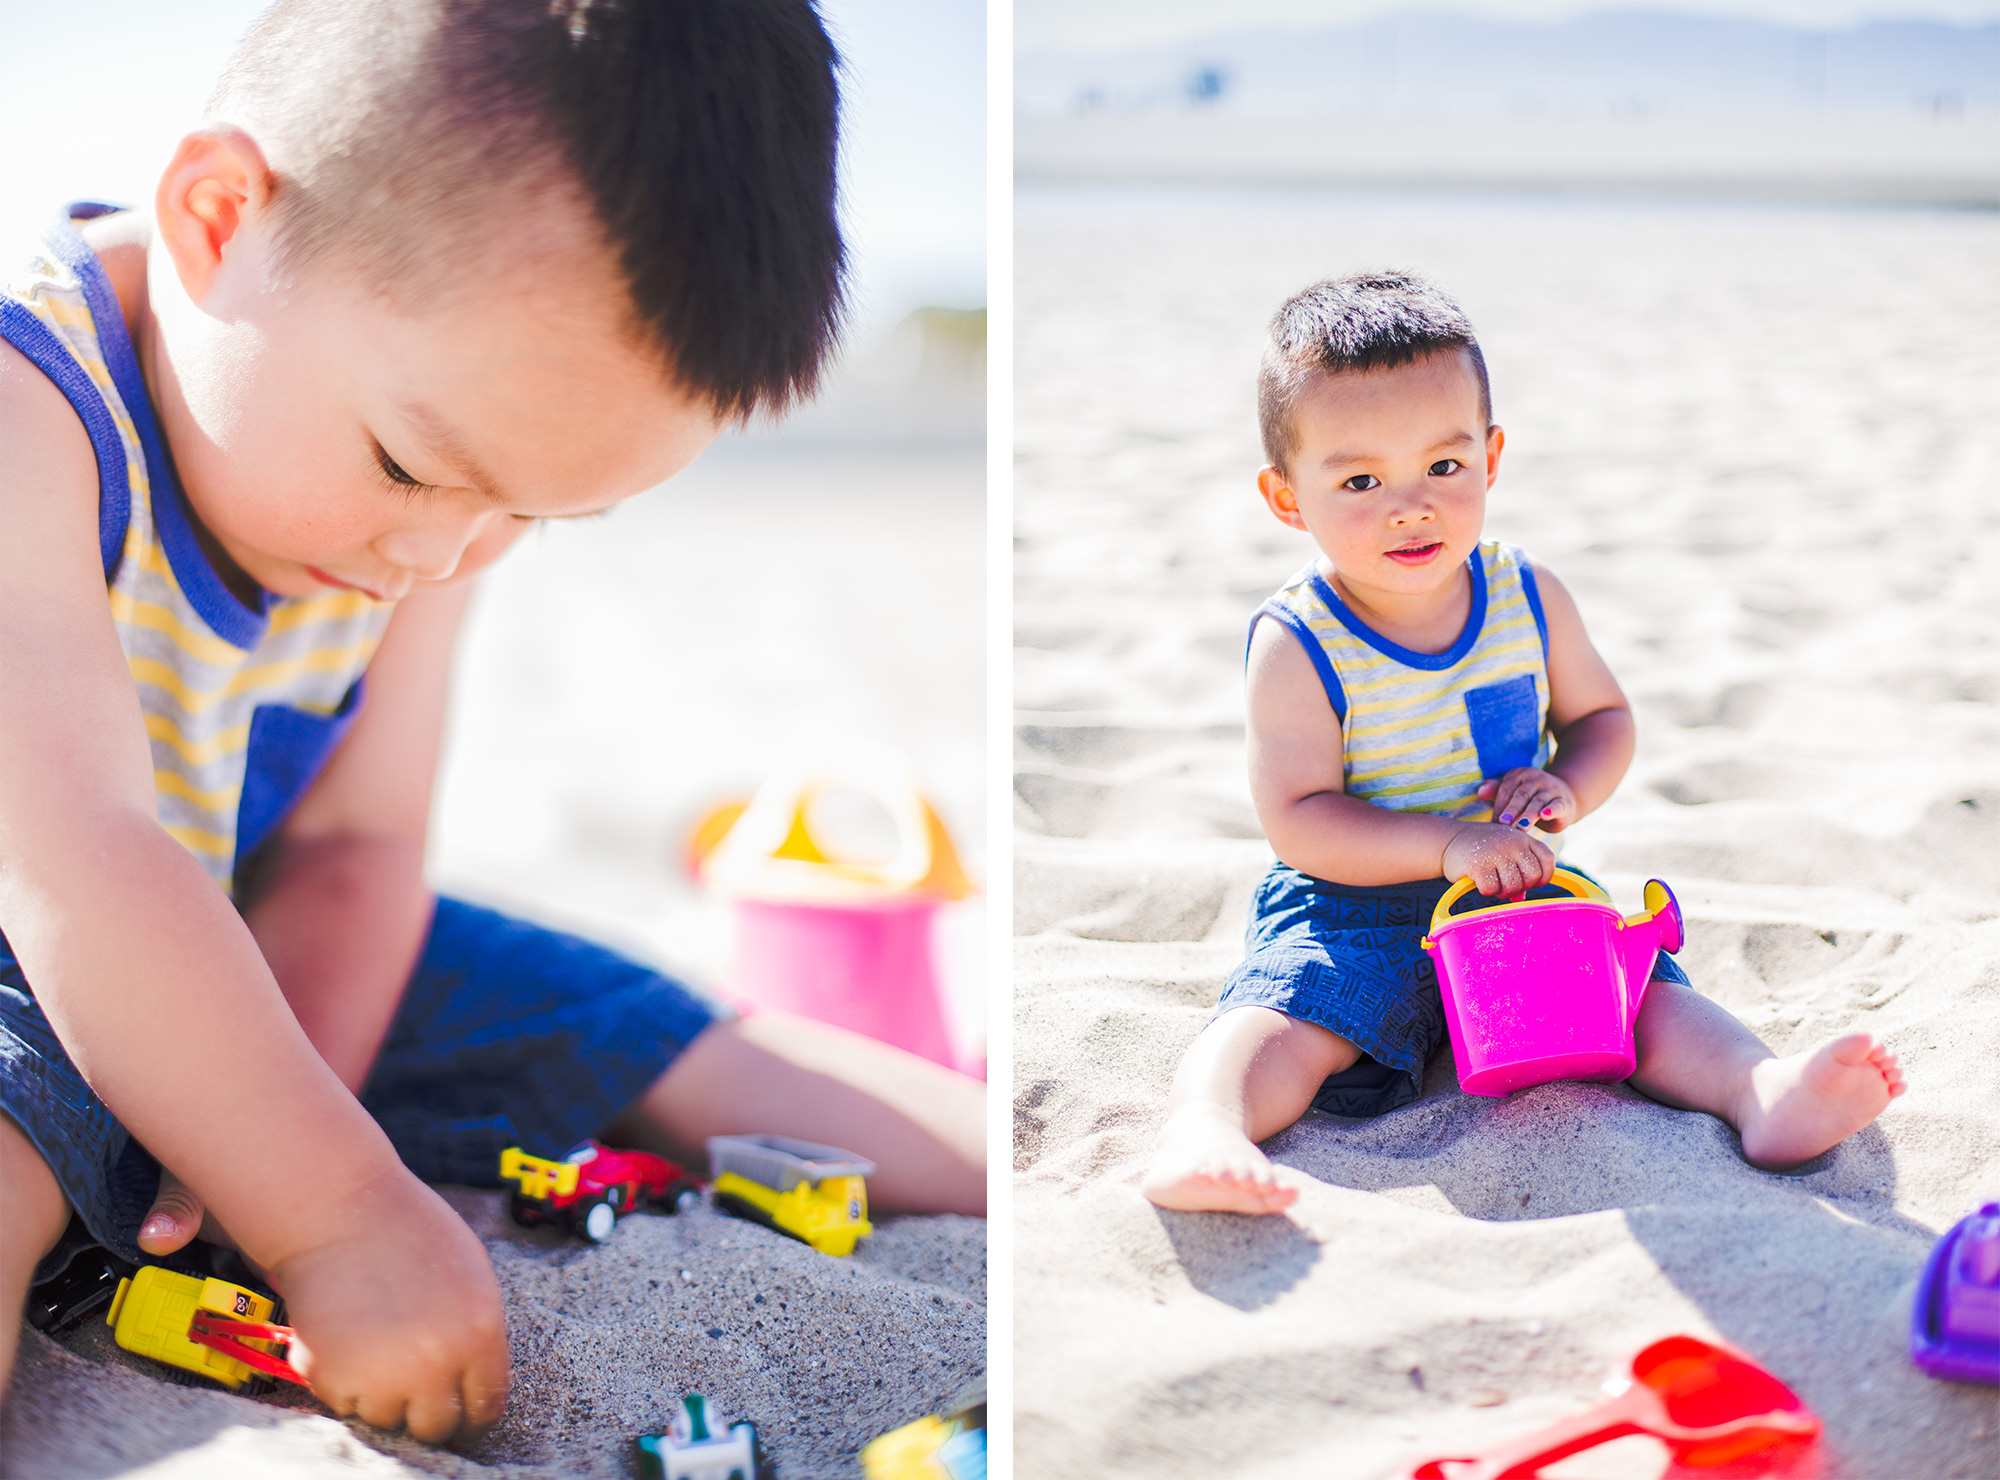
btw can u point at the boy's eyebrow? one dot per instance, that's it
(1341, 456)
(444, 441)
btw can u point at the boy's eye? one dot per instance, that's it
(393, 472)
(1362, 482)
(1444, 467)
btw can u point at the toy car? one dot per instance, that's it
(194, 1325)
(812, 1193)
(692, 1450)
(949, 1448)
(1955, 1323)
(89, 1280)
(591, 1188)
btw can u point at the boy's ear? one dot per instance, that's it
(1278, 496)
(1496, 439)
(217, 184)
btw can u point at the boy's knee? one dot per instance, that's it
(33, 1211)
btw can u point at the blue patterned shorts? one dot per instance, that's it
(507, 1035)
(1346, 957)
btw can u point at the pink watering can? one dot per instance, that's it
(843, 940)
(1537, 990)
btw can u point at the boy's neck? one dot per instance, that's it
(1422, 621)
(122, 243)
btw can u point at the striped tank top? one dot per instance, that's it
(243, 704)
(1420, 731)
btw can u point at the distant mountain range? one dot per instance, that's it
(1631, 64)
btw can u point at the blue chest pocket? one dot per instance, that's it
(288, 749)
(1506, 723)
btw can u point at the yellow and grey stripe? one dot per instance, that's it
(199, 692)
(1407, 738)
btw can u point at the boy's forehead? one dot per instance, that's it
(1422, 396)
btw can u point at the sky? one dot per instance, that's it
(98, 120)
(1106, 25)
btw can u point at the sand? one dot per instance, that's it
(618, 676)
(1758, 445)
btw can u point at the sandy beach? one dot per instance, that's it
(618, 677)
(1758, 445)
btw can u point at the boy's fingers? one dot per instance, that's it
(486, 1383)
(1513, 797)
(383, 1409)
(1529, 812)
(434, 1417)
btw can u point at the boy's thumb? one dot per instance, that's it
(175, 1217)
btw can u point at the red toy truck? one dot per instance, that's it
(591, 1188)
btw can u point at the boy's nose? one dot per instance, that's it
(431, 551)
(1412, 508)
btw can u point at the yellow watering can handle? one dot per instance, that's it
(1566, 878)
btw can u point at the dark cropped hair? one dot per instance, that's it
(701, 133)
(1364, 321)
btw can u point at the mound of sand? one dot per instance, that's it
(821, 1353)
(1758, 447)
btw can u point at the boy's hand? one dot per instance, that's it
(1499, 860)
(398, 1315)
(1527, 797)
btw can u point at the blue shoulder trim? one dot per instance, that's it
(1531, 590)
(213, 601)
(51, 356)
(1475, 620)
(218, 606)
(1329, 680)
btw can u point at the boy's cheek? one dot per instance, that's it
(491, 544)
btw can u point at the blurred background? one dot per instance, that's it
(1851, 100)
(806, 590)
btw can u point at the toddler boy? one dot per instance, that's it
(1420, 700)
(434, 270)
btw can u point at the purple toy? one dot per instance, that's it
(1955, 1325)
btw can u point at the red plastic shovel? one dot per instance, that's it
(1709, 1405)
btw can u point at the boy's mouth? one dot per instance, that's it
(335, 581)
(1415, 554)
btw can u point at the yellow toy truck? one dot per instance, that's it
(208, 1328)
(813, 1193)
(952, 1447)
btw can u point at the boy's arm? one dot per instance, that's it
(137, 958)
(1589, 717)
(1299, 786)
(161, 997)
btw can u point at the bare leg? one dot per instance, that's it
(922, 1125)
(33, 1215)
(1252, 1072)
(1695, 1056)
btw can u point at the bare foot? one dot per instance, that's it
(1206, 1164)
(1799, 1106)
